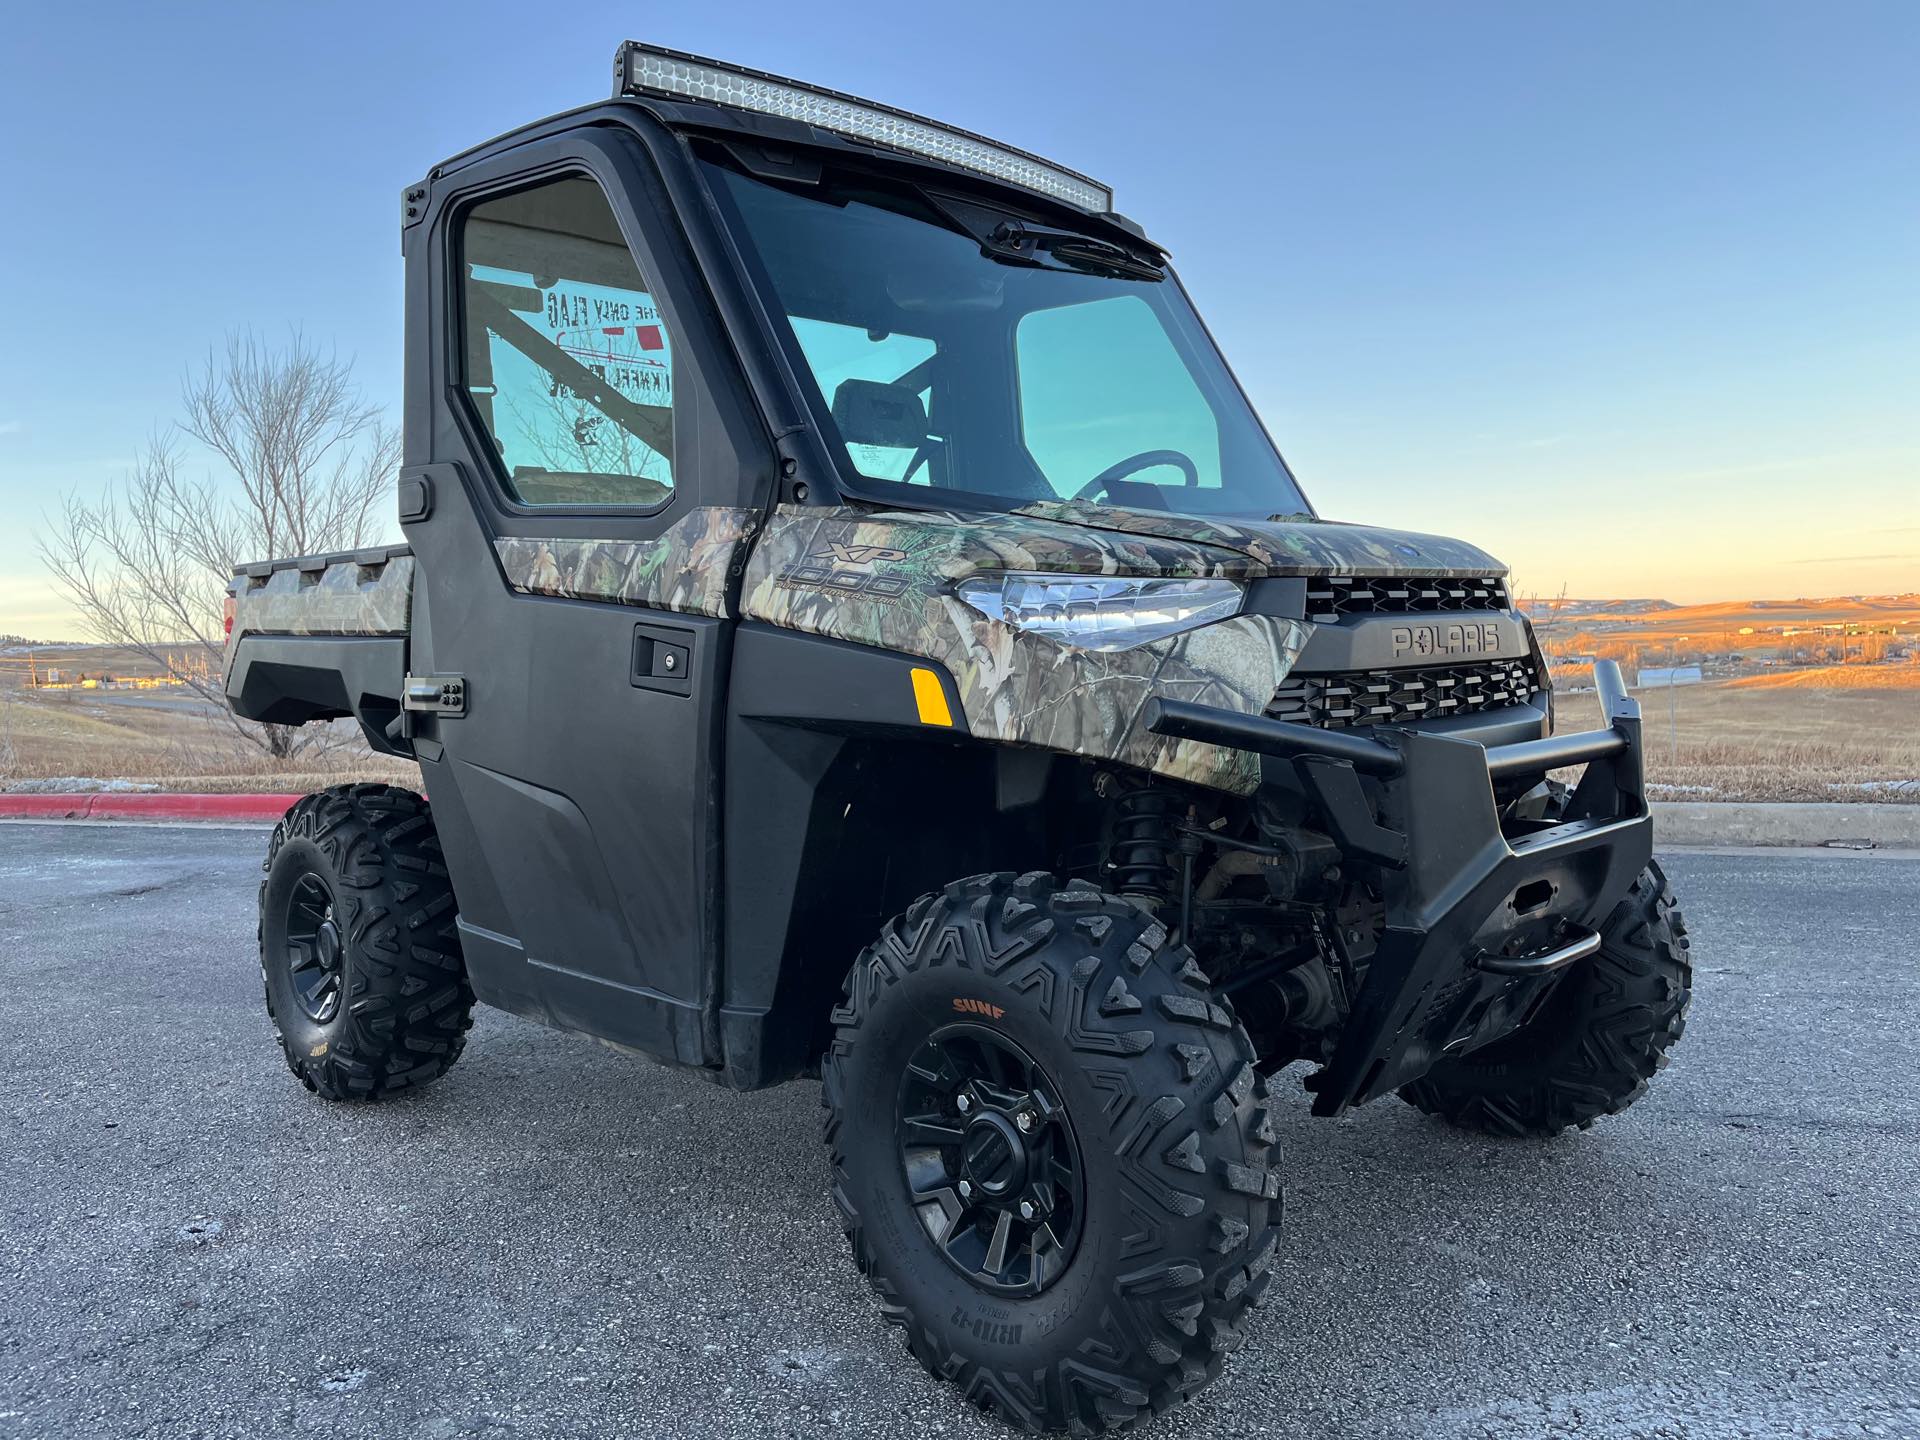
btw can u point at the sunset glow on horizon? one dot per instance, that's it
(1629, 298)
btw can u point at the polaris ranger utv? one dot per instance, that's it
(852, 622)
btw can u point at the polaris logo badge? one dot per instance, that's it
(978, 1007)
(1469, 639)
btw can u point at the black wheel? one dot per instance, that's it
(1598, 1038)
(365, 983)
(1051, 1151)
(990, 1159)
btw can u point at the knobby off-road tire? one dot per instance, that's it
(1598, 1039)
(1166, 1112)
(392, 1011)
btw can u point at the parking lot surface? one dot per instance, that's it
(559, 1240)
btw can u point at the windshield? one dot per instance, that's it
(962, 355)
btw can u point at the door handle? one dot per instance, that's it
(662, 659)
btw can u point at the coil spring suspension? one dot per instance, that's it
(1143, 858)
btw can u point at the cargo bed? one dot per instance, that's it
(320, 637)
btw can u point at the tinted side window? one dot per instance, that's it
(568, 361)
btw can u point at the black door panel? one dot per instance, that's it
(578, 795)
(593, 799)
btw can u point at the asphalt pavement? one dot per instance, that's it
(560, 1240)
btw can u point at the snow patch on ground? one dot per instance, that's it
(78, 785)
(1879, 787)
(1656, 787)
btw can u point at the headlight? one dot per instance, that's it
(1101, 612)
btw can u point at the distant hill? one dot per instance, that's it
(1665, 616)
(1543, 608)
(1846, 642)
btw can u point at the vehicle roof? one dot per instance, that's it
(692, 116)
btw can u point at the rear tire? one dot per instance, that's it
(1146, 1083)
(1601, 1035)
(359, 954)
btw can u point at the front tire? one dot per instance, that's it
(1601, 1035)
(359, 953)
(1095, 1054)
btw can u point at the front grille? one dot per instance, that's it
(1331, 598)
(1396, 697)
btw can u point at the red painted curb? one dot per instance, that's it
(258, 808)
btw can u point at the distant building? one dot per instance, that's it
(1668, 675)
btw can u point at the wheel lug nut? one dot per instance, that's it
(966, 1189)
(1025, 1122)
(1026, 1210)
(964, 1104)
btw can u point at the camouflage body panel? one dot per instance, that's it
(886, 580)
(1300, 545)
(939, 546)
(370, 593)
(685, 569)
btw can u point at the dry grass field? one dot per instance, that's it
(1734, 741)
(1849, 732)
(162, 737)
(1804, 700)
(1837, 677)
(161, 740)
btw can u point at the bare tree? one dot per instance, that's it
(307, 466)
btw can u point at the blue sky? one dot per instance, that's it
(1630, 294)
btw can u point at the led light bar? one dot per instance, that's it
(644, 69)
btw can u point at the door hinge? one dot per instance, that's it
(413, 205)
(435, 694)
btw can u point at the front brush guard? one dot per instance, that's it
(1479, 919)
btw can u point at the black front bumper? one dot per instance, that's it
(1482, 914)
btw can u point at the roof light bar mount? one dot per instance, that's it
(673, 74)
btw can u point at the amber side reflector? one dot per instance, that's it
(930, 699)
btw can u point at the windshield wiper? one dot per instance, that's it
(1024, 244)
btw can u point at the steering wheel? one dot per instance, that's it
(1145, 460)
